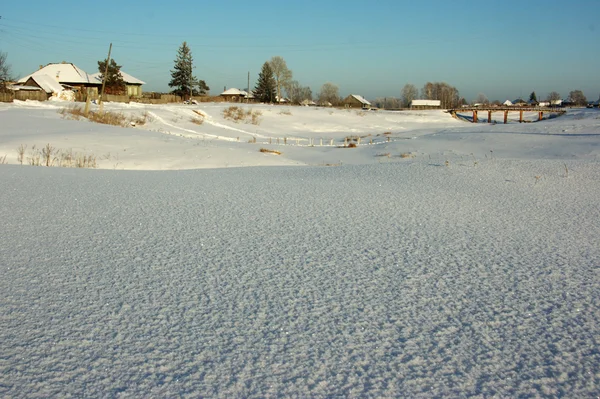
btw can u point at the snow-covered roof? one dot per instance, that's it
(507, 102)
(47, 83)
(127, 78)
(234, 92)
(361, 99)
(63, 73)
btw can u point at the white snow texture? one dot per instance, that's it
(409, 278)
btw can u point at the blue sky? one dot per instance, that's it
(502, 49)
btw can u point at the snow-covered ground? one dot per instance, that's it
(469, 269)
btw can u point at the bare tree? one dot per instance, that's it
(329, 94)
(387, 102)
(448, 95)
(427, 92)
(297, 93)
(553, 97)
(5, 73)
(577, 97)
(482, 99)
(281, 73)
(409, 93)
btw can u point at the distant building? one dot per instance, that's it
(68, 75)
(507, 103)
(425, 103)
(234, 95)
(133, 85)
(356, 101)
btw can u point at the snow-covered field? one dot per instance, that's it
(469, 269)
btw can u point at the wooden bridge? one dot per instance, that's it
(506, 110)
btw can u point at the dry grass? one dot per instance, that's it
(140, 120)
(351, 145)
(385, 154)
(407, 155)
(238, 114)
(266, 150)
(50, 156)
(285, 112)
(3, 160)
(21, 153)
(197, 120)
(105, 117)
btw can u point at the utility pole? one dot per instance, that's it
(248, 95)
(104, 78)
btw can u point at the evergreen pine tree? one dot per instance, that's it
(533, 97)
(265, 86)
(114, 80)
(181, 75)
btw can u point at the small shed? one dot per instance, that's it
(356, 101)
(507, 103)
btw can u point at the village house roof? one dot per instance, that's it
(63, 73)
(127, 78)
(234, 92)
(361, 99)
(47, 83)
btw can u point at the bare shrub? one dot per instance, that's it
(105, 117)
(109, 118)
(255, 115)
(285, 112)
(237, 114)
(85, 161)
(140, 120)
(21, 153)
(3, 160)
(35, 157)
(196, 120)
(47, 155)
(407, 155)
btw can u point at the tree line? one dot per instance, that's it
(275, 81)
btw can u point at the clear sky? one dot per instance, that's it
(502, 49)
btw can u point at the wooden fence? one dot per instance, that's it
(23, 95)
(6, 97)
(37, 95)
(116, 99)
